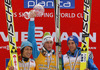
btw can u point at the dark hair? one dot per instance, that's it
(22, 51)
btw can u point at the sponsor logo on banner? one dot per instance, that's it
(39, 35)
(65, 4)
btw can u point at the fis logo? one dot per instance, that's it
(65, 4)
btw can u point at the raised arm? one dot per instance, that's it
(31, 35)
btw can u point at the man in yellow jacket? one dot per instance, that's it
(46, 58)
(25, 63)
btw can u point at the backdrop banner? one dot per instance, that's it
(71, 24)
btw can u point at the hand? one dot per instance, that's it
(32, 14)
(86, 69)
(11, 68)
(59, 54)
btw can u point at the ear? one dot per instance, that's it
(44, 47)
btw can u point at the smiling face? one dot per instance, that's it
(48, 45)
(27, 52)
(72, 46)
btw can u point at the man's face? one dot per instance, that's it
(72, 46)
(27, 52)
(48, 45)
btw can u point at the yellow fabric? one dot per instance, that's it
(32, 67)
(67, 66)
(9, 64)
(41, 62)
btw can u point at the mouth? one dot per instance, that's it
(28, 55)
(71, 47)
(49, 48)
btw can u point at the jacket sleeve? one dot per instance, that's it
(9, 64)
(91, 64)
(62, 63)
(31, 38)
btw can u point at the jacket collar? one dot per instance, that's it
(75, 53)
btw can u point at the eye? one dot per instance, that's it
(68, 43)
(72, 42)
(27, 49)
(51, 42)
(31, 49)
(47, 42)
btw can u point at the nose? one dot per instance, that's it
(70, 45)
(29, 51)
(50, 44)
